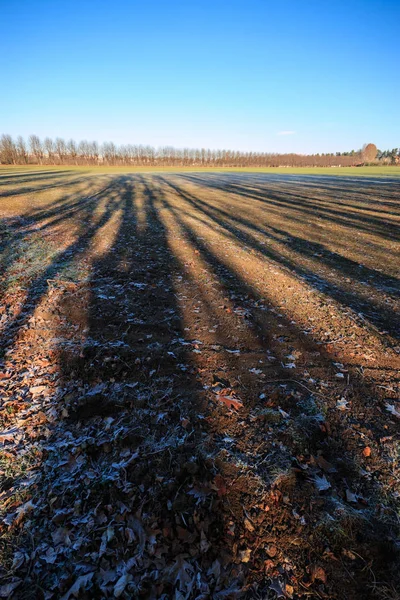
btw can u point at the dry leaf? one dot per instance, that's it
(8, 588)
(393, 410)
(245, 555)
(121, 585)
(350, 497)
(322, 483)
(230, 402)
(318, 573)
(23, 510)
(249, 525)
(80, 584)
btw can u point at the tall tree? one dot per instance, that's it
(8, 153)
(22, 152)
(369, 152)
(36, 147)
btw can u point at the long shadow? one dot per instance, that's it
(18, 229)
(350, 188)
(19, 191)
(127, 493)
(32, 176)
(133, 404)
(385, 317)
(337, 261)
(38, 286)
(304, 205)
(321, 205)
(338, 426)
(360, 183)
(308, 247)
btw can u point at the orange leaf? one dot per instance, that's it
(230, 402)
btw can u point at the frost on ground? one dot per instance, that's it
(199, 387)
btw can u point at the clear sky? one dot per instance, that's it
(282, 75)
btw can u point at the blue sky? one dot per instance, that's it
(288, 75)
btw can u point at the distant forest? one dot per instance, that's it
(60, 152)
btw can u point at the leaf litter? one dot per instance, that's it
(147, 461)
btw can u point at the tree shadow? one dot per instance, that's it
(62, 179)
(127, 441)
(32, 176)
(244, 229)
(78, 213)
(307, 207)
(137, 481)
(336, 442)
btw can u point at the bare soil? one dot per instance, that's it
(199, 386)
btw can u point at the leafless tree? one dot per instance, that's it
(36, 147)
(72, 151)
(22, 152)
(49, 148)
(61, 150)
(8, 151)
(89, 153)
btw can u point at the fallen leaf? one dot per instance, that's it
(18, 560)
(393, 410)
(37, 390)
(7, 588)
(289, 589)
(349, 554)
(230, 402)
(276, 586)
(283, 413)
(121, 585)
(10, 434)
(80, 584)
(350, 497)
(204, 543)
(249, 525)
(342, 404)
(318, 573)
(322, 483)
(51, 556)
(245, 555)
(23, 510)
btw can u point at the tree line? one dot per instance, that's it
(60, 152)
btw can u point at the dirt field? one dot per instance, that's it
(199, 385)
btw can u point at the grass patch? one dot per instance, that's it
(383, 171)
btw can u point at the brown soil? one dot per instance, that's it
(199, 387)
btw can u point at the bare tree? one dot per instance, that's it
(86, 153)
(36, 148)
(61, 149)
(22, 152)
(49, 149)
(72, 150)
(94, 152)
(8, 152)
